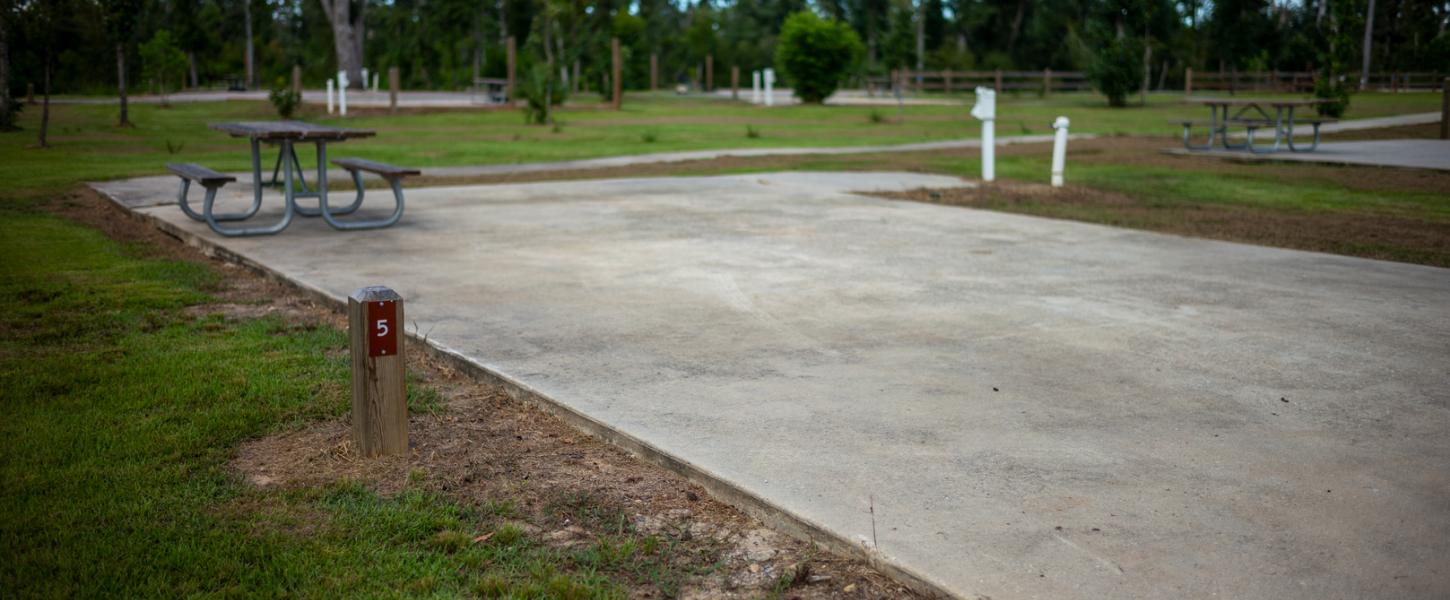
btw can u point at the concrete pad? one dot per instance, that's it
(998, 405)
(1414, 154)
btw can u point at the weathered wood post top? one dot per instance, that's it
(379, 393)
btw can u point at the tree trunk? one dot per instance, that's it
(45, 109)
(7, 104)
(920, 41)
(247, 23)
(344, 39)
(1365, 47)
(1322, 6)
(549, 70)
(191, 68)
(1147, 65)
(1016, 26)
(121, 83)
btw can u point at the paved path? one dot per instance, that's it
(1416, 154)
(998, 405)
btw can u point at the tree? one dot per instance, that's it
(162, 60)
(1117, 69)
(348, 31)
(1368, 40)
(7, 104)
(121, 17)
(816, 54)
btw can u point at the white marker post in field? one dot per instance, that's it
(986, 112)
(1059, 150)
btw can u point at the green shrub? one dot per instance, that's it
(284, 99)
(1330, 87)
(535, 90)
(816, 54)
(1117, 69)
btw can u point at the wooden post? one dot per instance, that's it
(946, 81)
(654, 72)
(735, 83)
(511, 56)
(618, 73)
(997, 81)
(297, 78)
(29, 93)
(1046, 82)
(379, 393)
(395, 84)
(1188, 81)
(1445, 110)
(709, 72)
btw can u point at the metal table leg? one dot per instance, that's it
(328, 214)
(256, 171)
(307, 211)
(211, 194)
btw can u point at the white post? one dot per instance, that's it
(986, 111)
(365, 79)
(1059, 150)
(770, 87)
(329, 96)
(755, 87)
(375, 82)
(342, 84)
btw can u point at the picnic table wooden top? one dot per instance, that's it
(1255, 101)
(293, 130)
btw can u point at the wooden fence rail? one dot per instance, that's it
(1048, 81)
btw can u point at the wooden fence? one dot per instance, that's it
(1048, 81)
(1044, 81)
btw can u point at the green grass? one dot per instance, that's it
(123, 411)
(88, 147)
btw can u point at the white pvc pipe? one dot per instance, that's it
(989, 150)
(1059, 150)
(375, 83)
(770, 87)
(342, 99)
(755, 87)
(329, 96)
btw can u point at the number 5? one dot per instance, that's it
(382, 327)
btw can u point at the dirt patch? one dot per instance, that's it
(1355, 234)
(483, 448)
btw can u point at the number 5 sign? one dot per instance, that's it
(379, 398)
(383, 328)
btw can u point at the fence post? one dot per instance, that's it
(511, 56)
(297, 79)
(947, 81)
(394, 84)
(1445, 110)
(735, 82)
(709, 72)
(379, 393)
(1188, 81)
(654, 71)
(29, 93)
(997, 83)
(618, 73)
(1046, 82)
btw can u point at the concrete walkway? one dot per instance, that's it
(989, 404)
(1414, 154)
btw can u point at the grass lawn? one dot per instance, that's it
(88, 147)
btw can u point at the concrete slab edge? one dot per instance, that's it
(772, 515)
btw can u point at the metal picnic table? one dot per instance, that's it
(286, 135)
(1282, 121)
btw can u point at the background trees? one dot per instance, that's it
(445, 44)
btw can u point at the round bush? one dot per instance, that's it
(1117, 69)
(816, 54)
